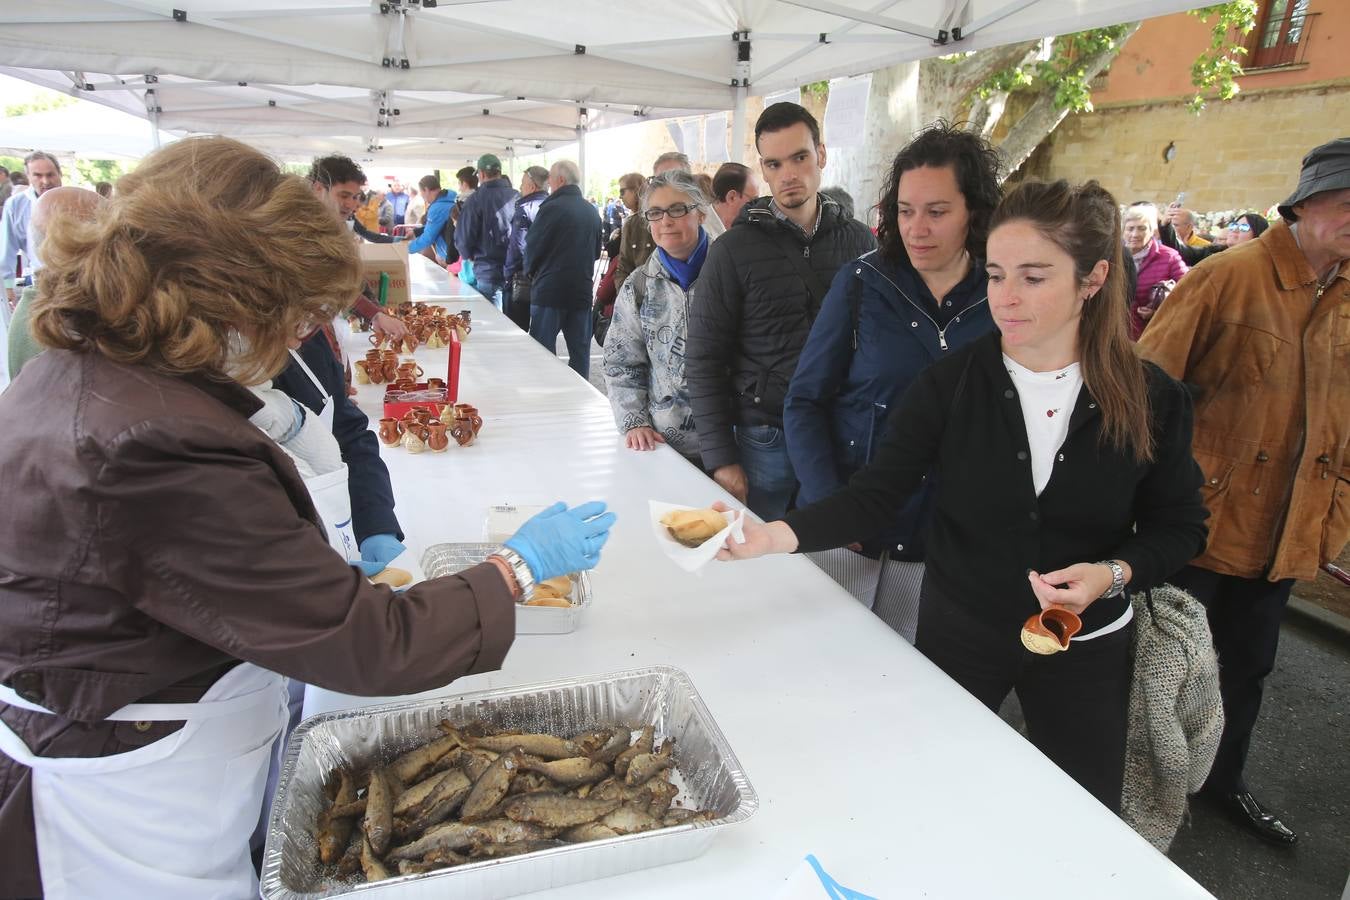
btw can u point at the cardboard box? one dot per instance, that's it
(396, 410)
(391, 258)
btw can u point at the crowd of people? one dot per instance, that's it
(992, 403)
(988, 404)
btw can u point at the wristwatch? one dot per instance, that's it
(1117, 578)
(519, 570)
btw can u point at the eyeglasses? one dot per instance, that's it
(675, 211)
(1239, 226)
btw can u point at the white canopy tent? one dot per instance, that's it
(85, 130)
(503, 72)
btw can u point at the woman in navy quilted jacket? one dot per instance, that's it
(888, 315)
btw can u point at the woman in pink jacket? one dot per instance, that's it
(1159, 267)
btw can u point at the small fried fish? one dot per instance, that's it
(379, 821)
(557, 810)
(490, 787)
(642, 745)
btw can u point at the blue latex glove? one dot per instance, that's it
(561, 540)
(377, 552)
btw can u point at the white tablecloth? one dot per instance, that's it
(862, 752)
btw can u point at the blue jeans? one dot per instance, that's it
(575, 325)
(764, 457)
(490, 283)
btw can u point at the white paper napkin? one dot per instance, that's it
(691, 559)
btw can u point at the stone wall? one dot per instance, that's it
(1244, 154)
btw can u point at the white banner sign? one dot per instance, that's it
(846, 111)
(676, 135)
(715, 138)
(790, 96)
(691, 145)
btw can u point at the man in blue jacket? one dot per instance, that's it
(398, 199)
(484, 230)
(533, 191)
(560, 256)
(430, 237)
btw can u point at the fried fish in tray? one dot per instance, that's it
(474, 794)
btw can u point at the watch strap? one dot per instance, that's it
(1117, 578)
(519, 569)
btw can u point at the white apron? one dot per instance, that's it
(168, 821)
(329, 491)
(333, 501)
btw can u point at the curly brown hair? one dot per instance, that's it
(205, 241)
(977, 167)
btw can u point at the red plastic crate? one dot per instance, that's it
(398, 409)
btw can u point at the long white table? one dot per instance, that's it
(862, 752)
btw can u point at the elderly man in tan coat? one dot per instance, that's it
(1261, 333)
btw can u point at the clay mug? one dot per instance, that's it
(359, 372)
(437, 439)
(421, 415)
(389, 432)
(462, 432)
(390, 370)
(412, 364)
(436, 384)
(465, 411)
(1049, 630)
(413, 443)
(465, 315)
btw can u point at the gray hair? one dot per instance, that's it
(538, 175)
(566, 170)
(677, 179)
(842, 197)
(1143, 210)
(673, 156)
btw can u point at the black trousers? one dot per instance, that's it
(1244, 615)
(1076, 703)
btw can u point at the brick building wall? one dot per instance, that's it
(1243, 154)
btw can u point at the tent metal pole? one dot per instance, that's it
(738, 127)
(583, 120)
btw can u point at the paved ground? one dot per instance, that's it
(1299, 766)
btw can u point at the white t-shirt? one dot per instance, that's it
(1047, 400)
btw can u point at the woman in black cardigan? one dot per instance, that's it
(1065, 479)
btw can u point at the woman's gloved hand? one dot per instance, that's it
(377, 552)
(561, 540)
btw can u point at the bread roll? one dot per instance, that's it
(548, 601)
(691, 527)
(392, 577)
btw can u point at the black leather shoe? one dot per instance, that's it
(1246, 811)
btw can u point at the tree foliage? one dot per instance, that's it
(1215, 70)
(42, 102)
(92, 171)
(1066, 71)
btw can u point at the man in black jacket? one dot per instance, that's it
(533, 191)
(752, 310)
(560, 253)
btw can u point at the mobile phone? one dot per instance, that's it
(1181, 198)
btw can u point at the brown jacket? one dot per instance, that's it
(635, 245)
(1268, 355)
(152, 538)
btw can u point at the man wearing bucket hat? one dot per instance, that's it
(484, 230)
(1260, 333)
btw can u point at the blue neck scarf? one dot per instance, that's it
(686, 271)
